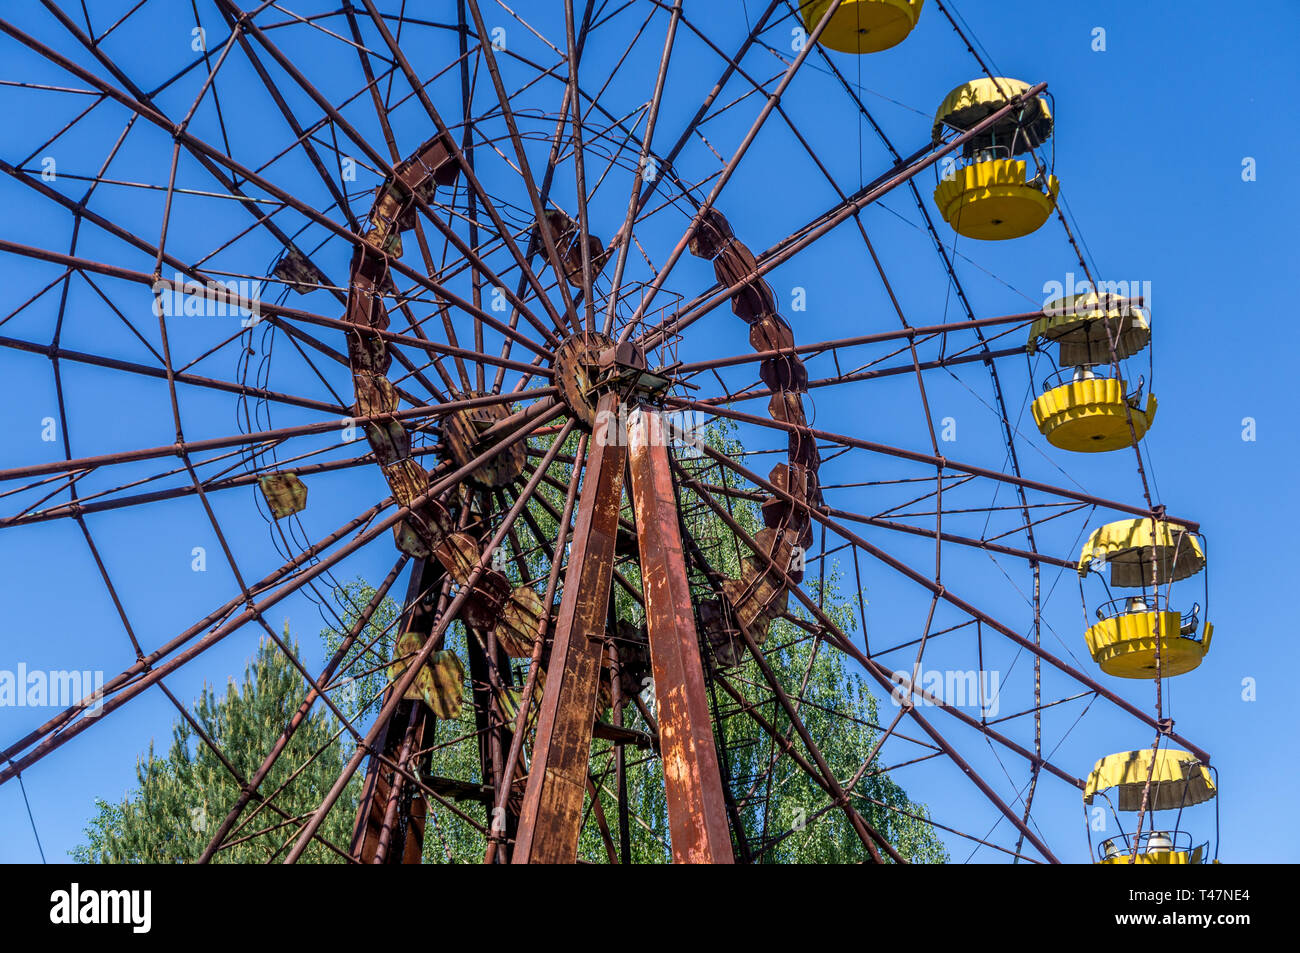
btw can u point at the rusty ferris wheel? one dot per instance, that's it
(481, 226)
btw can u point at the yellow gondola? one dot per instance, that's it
(863, 26)
(1178, 781)
(1154, 847)
(1081, 326)
(1086, 412)
(1081, 408)
(992, 197)
(1129, 632)
(1132, 632)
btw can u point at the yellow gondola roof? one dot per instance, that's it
(1078, 325)
(1178, 780)
(863, 26)
(1130, 546)
(971, 102)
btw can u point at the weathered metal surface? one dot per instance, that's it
(407, 479)
(389, 441)
(509, 696)
(576, 366)
(408, 825)
(422, 530)
(759, 596)
(571, 259)
(723, 637)
(521, 618)
(375, 395)
(551, 819)
(412, 722)
(632, 643)
(284, 493)
(463, 434)
(368, 353)
(440, 681)
(459, 553)
(697, 819)
(566, 236)
(390, 822)
(714, 231)
(297, 271)
(796, 480)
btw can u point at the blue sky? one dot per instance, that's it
(1150, 141)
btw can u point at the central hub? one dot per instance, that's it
(589, 363)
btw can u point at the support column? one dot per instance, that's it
(382, 816)
(697, 820)
(551, 819)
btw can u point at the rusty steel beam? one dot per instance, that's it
(551, 819)
(384, 831)
(697, 820)
(519, 730)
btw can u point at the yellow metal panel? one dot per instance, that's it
(1125, 645)
(1090, 416)
(440, 681)
(444, 692)
(970, 102)
(863, 26)
(1158, 857)
(1177, 780)
(285, 493)
(1078, 326)
(991, 201)
(1131, 546)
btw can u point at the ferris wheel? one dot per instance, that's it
(536, 291)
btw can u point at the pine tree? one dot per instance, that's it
(179, 800)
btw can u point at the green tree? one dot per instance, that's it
(179, 800)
